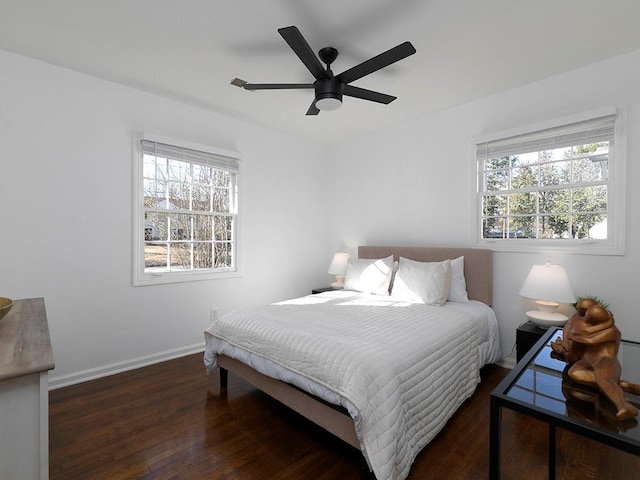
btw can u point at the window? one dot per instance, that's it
(560, 187)
(186, 212)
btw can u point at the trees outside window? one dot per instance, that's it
(549, 194)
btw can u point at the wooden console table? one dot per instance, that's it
(25, 360)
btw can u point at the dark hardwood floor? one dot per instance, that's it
(169, 421)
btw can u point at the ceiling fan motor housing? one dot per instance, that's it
(329, 88)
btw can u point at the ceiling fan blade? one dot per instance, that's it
(376, 63)
(301, 48)
(313, 110)
(276, 86)
(365, 94)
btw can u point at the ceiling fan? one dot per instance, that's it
(330, 88)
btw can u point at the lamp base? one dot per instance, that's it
(545, 319)
(339, 283)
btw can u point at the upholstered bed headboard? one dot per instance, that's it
(478, 264)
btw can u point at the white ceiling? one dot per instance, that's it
(190, 50)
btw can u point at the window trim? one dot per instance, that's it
(614, 244)
(142, 278)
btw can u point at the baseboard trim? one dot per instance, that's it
(507, 362)
(119, 367)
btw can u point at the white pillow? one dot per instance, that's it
(422, 282)
(458, 288)
(369, 275)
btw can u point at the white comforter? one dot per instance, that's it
(400, 369)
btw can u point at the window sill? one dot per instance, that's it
(576, 247)
(147, 279)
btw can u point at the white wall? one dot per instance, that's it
(66, 204)
(410, 185)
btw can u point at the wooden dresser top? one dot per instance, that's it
(25, 345)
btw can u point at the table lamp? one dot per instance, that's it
(338, 268)
(548, 285)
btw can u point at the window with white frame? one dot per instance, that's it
(186, 213)
(559, 187)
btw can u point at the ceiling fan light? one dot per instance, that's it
(328, 104)
(328, 94)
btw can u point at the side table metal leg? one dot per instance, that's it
(224, 378)
(495, 431)
(552, 452)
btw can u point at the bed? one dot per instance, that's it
(382, 372)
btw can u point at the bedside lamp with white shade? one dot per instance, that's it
(549, 286)
(338, 268)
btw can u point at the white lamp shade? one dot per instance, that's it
(548, 285)
(548, 282)
(339, 264)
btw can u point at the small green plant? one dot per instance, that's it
(591, 297)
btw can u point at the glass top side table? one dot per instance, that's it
(537, 387)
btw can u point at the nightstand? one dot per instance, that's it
(320, 290)
(527, 335)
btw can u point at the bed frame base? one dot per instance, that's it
(338, 423)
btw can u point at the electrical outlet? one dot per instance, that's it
(214, 314)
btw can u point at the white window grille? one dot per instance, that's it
(186, 212)
(559, 187)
